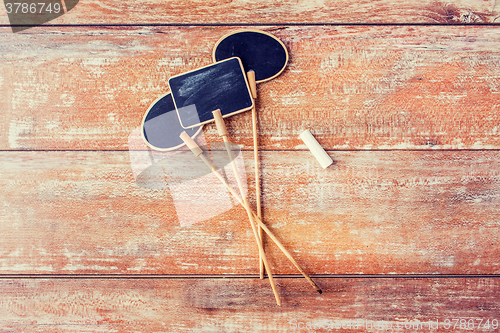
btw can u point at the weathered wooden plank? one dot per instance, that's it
(274, 12)
(354, 87)
(382, 212)
(237, 305)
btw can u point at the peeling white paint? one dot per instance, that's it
(95, 65)
(310, 5)
(52, 124)
(171, 62)
(67, 100)
(32, 93)
(19, 129)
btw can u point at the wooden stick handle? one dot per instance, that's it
(264, 227)
(221, 127)
(253, 89)
(191, 144)
(252, 83)
(261, 224)
(287, 254)
(219, 122)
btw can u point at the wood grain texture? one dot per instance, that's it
(273, 12)
(237, 305)
(367, 87)
(391, 212)
(408, 112)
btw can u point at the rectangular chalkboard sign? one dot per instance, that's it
(222, 85)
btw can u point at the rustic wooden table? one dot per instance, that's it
(401, 232)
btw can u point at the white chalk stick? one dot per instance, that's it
(318, 151)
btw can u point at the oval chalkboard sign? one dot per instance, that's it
(161, 127)
(258, 50)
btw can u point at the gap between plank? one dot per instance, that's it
(243, 276)
(267, 24)
(251, 150)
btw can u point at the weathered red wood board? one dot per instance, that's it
(370, 213)
(278, 12)
(246, 305)
(405, 100)
(366, 87)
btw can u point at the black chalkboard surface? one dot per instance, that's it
(222, 85)
(259, 51)
(161, 127)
